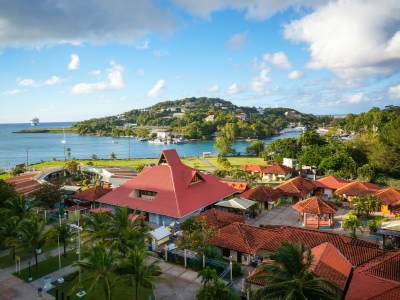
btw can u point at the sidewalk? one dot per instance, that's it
(210, 165)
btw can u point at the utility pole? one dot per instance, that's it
(109, 154)
(129, 151)
(198, 150)
(27, 164)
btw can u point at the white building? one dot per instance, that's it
(290, 162)
(162, 134)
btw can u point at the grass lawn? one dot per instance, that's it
(48, 266)
(239, 161)
(234, 297)
(191, 163)
(8, 260)
(4, 176)
(121, 292)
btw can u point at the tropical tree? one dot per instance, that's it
(289, 277)
(65, 234)
(251, 178)
(92, 226)
(72, 167)
(208, 276)
(223, 146)
(139, 167)
(17, 207)
(100, 263)
(68, 153)
(9, 232)
(32, 234)
(132, 268)
(48, 195)
(367, 204)
(94, 157)
(113, 156)
(7, 191)
(54, 158)
(217, 291)
(352, 223)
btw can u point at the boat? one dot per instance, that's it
(139, 139)
(63, 141)
(114, 142)
(35, 122)
(157, 142)
(180, 141)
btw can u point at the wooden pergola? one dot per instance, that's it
(316, 212)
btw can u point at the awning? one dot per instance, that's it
(239, 203)
(160, 233)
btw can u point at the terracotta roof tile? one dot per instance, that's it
(218, 218)
(258, 271)
(262, 193)
(316, 205)
(256, 168)
(356, 251)
(358, 188)
(392, 294)
(278, 169)
(240, 186)
(386, 266)
(331, 182)
(388, 196)
(297, 187)
(174, 198)
(92, 194)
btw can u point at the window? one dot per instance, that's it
(196, 178)
(226, 252)
(144, 194)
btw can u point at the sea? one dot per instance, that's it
(31, 148)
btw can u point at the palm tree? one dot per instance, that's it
(367, 204)
(352, 223)
(64, 232)
(132, 269)
(94, 157)
(218, 291)
(113, 156)
(100, 263)
(288, 276)
(92, 226)
(17, 207)
(9, 231)
(208, 276)
(32, 235)
(68, 153)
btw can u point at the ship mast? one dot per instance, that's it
(64, 141)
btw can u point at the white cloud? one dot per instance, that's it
(235, 89)
(123, 98)
(312, 82)
(140, 72)
(46, 109)
(353, 39)
(394, 91)
(101, 96)
(95, 72)
(256, 84)
(212, 89)
(178, 77)
(278, 60)
(257, 66)
(114, 82)
(153, 93)
(18, 79)
(10, 93)
(237, 41)
(145, 45)
(346, 83)
(295, 75)
(55, 80)
(75, 22)
(73, 65)
(159, 53)
(27, 82)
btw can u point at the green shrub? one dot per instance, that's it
(388, 247)
(71, 276)
(212, 252)
(236, 269)
(139, 168)
(87, 181)
(337, 203)
(76, 179)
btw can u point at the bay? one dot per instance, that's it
(45, 146)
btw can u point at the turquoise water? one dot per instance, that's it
(45, 146)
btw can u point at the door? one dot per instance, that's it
(239, 257)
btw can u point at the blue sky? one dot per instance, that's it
(72, 60)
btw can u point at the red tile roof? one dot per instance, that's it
(254, 168)
(240, 186)
(249, 239)
(297, 187)
(358, 188)
(363, 286)
(329, 263)
(176, 196)
(91, 194)
(75, 207)
(386, 266)
(316, 205)
(103, 210)
(392, 294)
(262, 193)
(218, 218)
(330, 182)
(259, 271)
(278, 169)
(388, 196)
(24, 183)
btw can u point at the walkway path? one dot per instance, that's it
(210, 165)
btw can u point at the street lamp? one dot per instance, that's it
(129, 150)
(29, 262)
(27, 157)
(81, 293)
(109, 154)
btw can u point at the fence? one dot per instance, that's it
(196, 263)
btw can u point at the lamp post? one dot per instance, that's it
(81, 293)
(27, 156)
(29, 263)
(129, 151)
(109, 154)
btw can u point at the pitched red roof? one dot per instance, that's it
(388, 196)
(329, 263)
(240, 186)
(103, 210)
(24, 183)
(278, 169)
(392, 294)
(386, 266)
(176, 195)
(258, 271)
(219, 218)
(365, 286)
(92, 194)
(254, 168)
(297, 187)
(358, 188)
(356, 251)
(75, 207)
(262, 193)
(316, 205)
(330, 182)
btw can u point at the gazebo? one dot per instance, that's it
(237, 203)
(316, 212)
